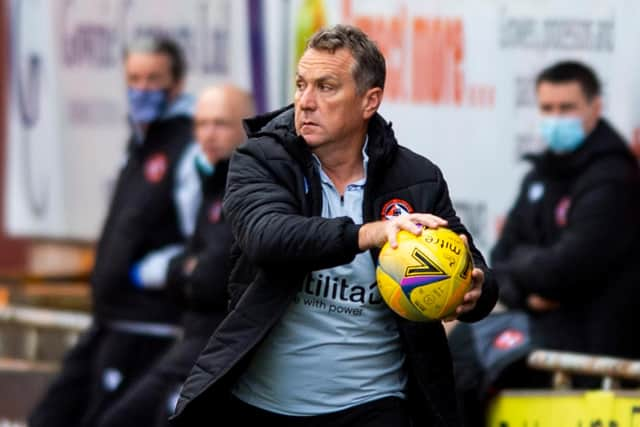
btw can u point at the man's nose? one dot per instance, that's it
(308, 98)
(208, 131)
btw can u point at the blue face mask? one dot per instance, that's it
(146, 105)
(562, 134)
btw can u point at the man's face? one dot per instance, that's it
(327, 106)
(150, 71)
(568, 100)
(218, 124)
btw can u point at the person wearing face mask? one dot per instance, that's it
(197, 276)
(317, 189)
(567, 254)
(135, 319)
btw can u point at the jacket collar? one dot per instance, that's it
(601, 142)
(215, 180)
(381, 145)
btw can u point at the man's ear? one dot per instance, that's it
(371, 102)
(597, 105)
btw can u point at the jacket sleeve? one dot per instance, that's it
(587, 249)
(444, 209)
(207, 284)
(115, 255)
(262, 202)
(509, 237)
(509, 243)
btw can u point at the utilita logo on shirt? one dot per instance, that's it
(337, 289)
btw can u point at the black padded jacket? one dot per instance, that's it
(142, 218)
(571, 236)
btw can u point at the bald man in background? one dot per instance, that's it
(198, 275)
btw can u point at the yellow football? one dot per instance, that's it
(425, 277)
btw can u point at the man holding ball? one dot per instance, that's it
(318, 189)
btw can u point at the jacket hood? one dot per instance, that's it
(603, 141)
(270, 122)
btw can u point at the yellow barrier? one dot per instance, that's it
(598, 408)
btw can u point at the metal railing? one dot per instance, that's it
(565, 364)
(34, 320)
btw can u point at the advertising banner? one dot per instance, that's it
(459, 90)
(460, 80)
(67, 111)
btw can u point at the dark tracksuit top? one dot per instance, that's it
(142, 218)
(572, 237)
(203, 292)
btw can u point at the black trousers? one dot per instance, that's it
(151, 400)
(94, 374)
(386, 412)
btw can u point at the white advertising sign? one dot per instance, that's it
(460, 80)
(459, 90)
(67, 126)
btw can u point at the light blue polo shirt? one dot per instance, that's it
(337, 345)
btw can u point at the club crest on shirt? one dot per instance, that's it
(395, 207)
(215, 211)
(508, 339)
(155, 167)
(562, 211)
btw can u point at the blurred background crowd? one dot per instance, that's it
(461, 90)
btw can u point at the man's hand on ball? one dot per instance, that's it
(471, 297)
(376, 234)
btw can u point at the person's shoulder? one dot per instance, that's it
(181, 122)
(178, 128)
(611, 155)
(615, 167)
(416, 164)
(262, 153)
(268, 134)
(408, 155)
(265, 146)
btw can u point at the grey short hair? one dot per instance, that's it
(370, 68)
(160, 45)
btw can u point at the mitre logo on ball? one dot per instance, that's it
(426, 276)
